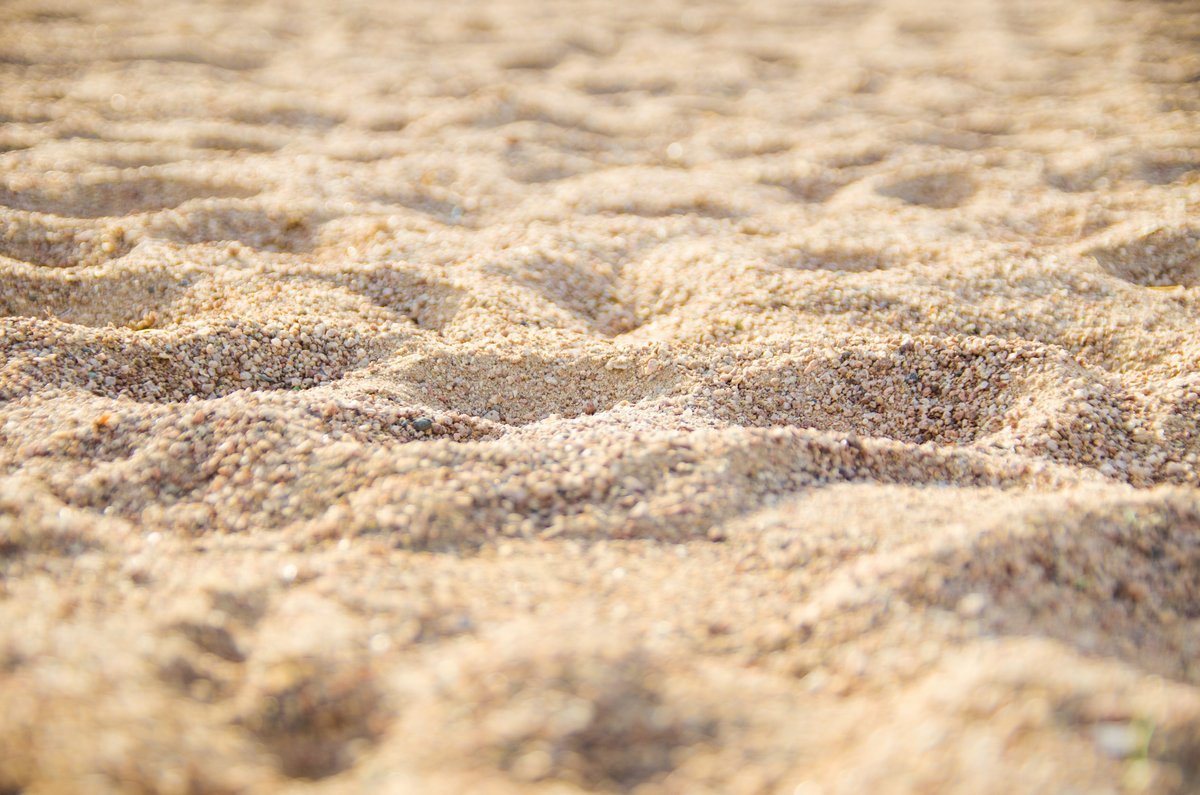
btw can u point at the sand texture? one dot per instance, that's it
(794, 397)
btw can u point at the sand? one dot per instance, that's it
(552, 397)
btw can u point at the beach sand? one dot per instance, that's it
(552, 397)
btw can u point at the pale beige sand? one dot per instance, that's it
(544, 397)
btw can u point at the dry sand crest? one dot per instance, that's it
(787, 397)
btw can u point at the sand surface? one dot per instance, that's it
(553, 397)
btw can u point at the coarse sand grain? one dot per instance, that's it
(532, 396)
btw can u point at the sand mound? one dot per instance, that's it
(538, 397)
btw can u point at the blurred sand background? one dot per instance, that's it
(552, 397)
